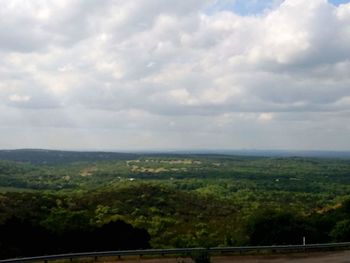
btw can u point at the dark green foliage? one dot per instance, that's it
(20, 238)
(341, 231)
(277, 228)
(61, 221)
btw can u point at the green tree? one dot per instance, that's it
(276, 228)
(62, 221)
(341, 231)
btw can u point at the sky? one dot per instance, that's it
(188, 74)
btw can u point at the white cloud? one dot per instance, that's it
(265, 117)
(161, 69)
(19, 98)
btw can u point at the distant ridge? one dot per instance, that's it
(56, 157)
(274, 153)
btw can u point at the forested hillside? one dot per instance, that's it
(178, 200)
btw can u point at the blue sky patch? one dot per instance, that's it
(338, 2)
(252, 7)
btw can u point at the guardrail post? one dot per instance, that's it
(95, 258)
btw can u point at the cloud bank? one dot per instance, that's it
(184, 74)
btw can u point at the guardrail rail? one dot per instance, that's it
(181, 251)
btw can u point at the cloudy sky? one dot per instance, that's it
(187, 74)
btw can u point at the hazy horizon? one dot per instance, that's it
(186, 151)
(201, 75)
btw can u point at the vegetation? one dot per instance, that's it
(24, 238)
(172, 200)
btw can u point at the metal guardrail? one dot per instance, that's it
(180, 251)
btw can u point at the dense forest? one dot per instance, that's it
(167, 200)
